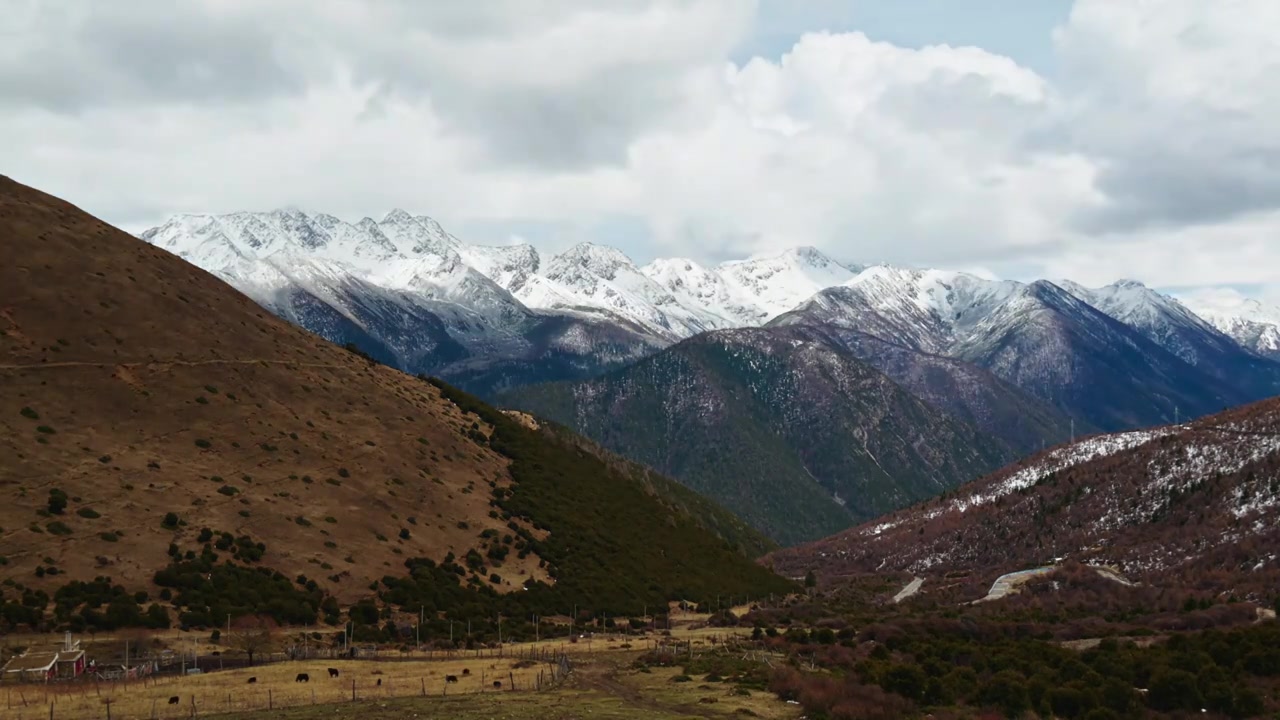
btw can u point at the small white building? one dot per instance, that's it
(44, 664)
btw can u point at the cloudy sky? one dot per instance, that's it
(1092, 139)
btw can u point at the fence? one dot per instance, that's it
(280, 685)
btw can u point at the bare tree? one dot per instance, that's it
(253, 635)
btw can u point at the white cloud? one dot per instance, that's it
(1152, 153)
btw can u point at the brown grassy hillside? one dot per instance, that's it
(138, 385)
(163, 387)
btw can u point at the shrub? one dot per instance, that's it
(170, 521)
(89, 513)
(46, 430)
(1174, 690)
(302, 521)
(404, 533)
(57, 527)
(228, 490)
(203, 444)
(57, 501)
(344, 473)
(28, 413)
(108, 536)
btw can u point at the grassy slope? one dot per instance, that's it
(157, 388)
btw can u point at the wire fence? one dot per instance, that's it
(287, 684)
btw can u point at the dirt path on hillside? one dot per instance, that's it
(911, 588)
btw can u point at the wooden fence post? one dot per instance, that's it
(353, 689)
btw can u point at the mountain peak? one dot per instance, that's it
(810, 255)
(397, 216)
(1129, 284)
(595, 257)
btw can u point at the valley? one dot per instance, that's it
(180, 461)
(643, 360)
(617, 351)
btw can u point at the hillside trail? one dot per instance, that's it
(162, 363)
(910, 589)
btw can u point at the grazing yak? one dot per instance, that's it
(379, 682)
(333, 672)
(497, 684)
(466, 671)
(451, 678)
(302, 677)
(253, 679)
(173, 700)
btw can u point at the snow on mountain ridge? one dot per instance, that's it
(1162, 318)
(673, 298)
(1252, 323)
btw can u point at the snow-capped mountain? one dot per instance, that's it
(927, 310)
(404, 290)
(667, 300)
(1252, 323)
(1108, 357)
(602, 282)
(1160, 317)
(421, 298)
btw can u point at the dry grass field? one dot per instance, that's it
(276, 688)
(600, 689)
(600, 681)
